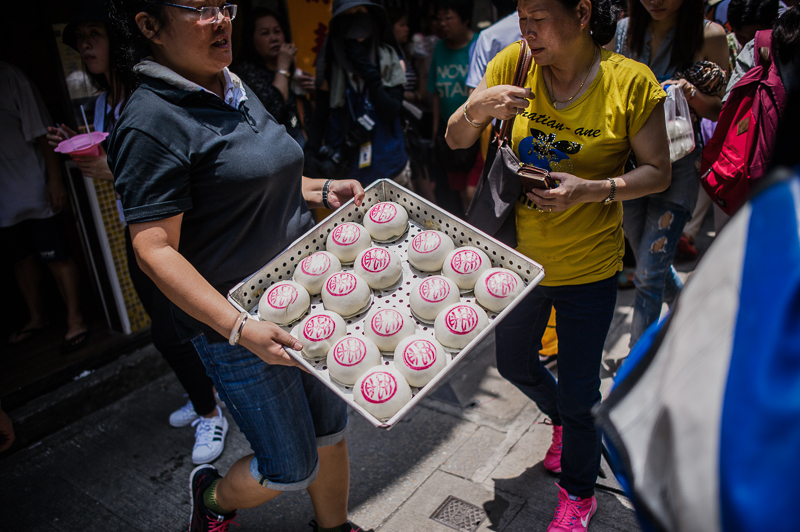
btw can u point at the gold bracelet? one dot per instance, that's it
(470, 122)
(285, 73)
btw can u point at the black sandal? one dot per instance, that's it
(26, 334)
(76, 342)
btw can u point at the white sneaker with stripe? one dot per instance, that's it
(209, 438)
(183, 416)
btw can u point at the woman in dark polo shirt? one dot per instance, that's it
(212, 189)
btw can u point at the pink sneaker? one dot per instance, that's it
(552, 460)
(572, 515)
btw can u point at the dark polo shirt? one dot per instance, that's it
(234, 174)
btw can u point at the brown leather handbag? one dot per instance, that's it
(504, 177)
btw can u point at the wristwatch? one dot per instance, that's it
(613, 194)
(285, 73)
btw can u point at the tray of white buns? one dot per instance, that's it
(387, 298)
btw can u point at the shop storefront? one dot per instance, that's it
(93, 230)
(116, 319)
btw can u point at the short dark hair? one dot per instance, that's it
(462, 8)
(396, 15)
(786, 39)
(743, 13)
(688, 38)
(247, 51)
(132, 45)
(786, 48)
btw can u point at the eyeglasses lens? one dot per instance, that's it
(211, 13)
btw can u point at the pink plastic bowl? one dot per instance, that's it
(83, 144)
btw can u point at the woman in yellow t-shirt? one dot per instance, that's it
(581, 113)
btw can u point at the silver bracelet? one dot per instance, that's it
(325, 194)
(238, 327)
(613, 194)
(470, 122)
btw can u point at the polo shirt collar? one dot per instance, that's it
(233, 87)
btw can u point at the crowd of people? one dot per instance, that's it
(208, 149)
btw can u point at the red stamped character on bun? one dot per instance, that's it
(501, 284)
(318, 328)
(434, 289)
(387, 322)
(419, 355)
(350, 351)
(465, 261)
(346, 234)
(461, 320)
(281, 296)
(379, 387)
(316, 264)
(382, 213)
(341, 284)
(426, 242)
(375, 260)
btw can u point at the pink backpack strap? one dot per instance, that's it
(763, 47)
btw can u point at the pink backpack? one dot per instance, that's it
(741, 148)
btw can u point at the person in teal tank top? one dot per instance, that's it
(457, 173)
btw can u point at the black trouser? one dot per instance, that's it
(182, 357)
(584, 313)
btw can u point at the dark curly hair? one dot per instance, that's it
(131, 45)
(603, 22)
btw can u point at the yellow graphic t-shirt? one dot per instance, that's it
(590, 139)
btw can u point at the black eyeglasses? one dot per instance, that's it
(209, 12)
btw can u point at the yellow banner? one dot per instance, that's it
(308, 20)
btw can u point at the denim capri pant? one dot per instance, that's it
(284, 413)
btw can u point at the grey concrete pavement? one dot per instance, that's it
(476, 438)
(124, 468)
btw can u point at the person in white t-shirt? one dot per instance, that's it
(32, 195)
(490, 42)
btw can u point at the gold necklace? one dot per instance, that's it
(552, 92)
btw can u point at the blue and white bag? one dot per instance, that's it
(703, 425)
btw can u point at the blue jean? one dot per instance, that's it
(584, 316)
(284, 412)
(653, 227)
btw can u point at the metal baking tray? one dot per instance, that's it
(422, 216)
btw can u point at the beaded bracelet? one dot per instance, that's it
(325, 194)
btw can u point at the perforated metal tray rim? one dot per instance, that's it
(422, 216)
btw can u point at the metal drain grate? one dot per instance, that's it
(459, 515)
